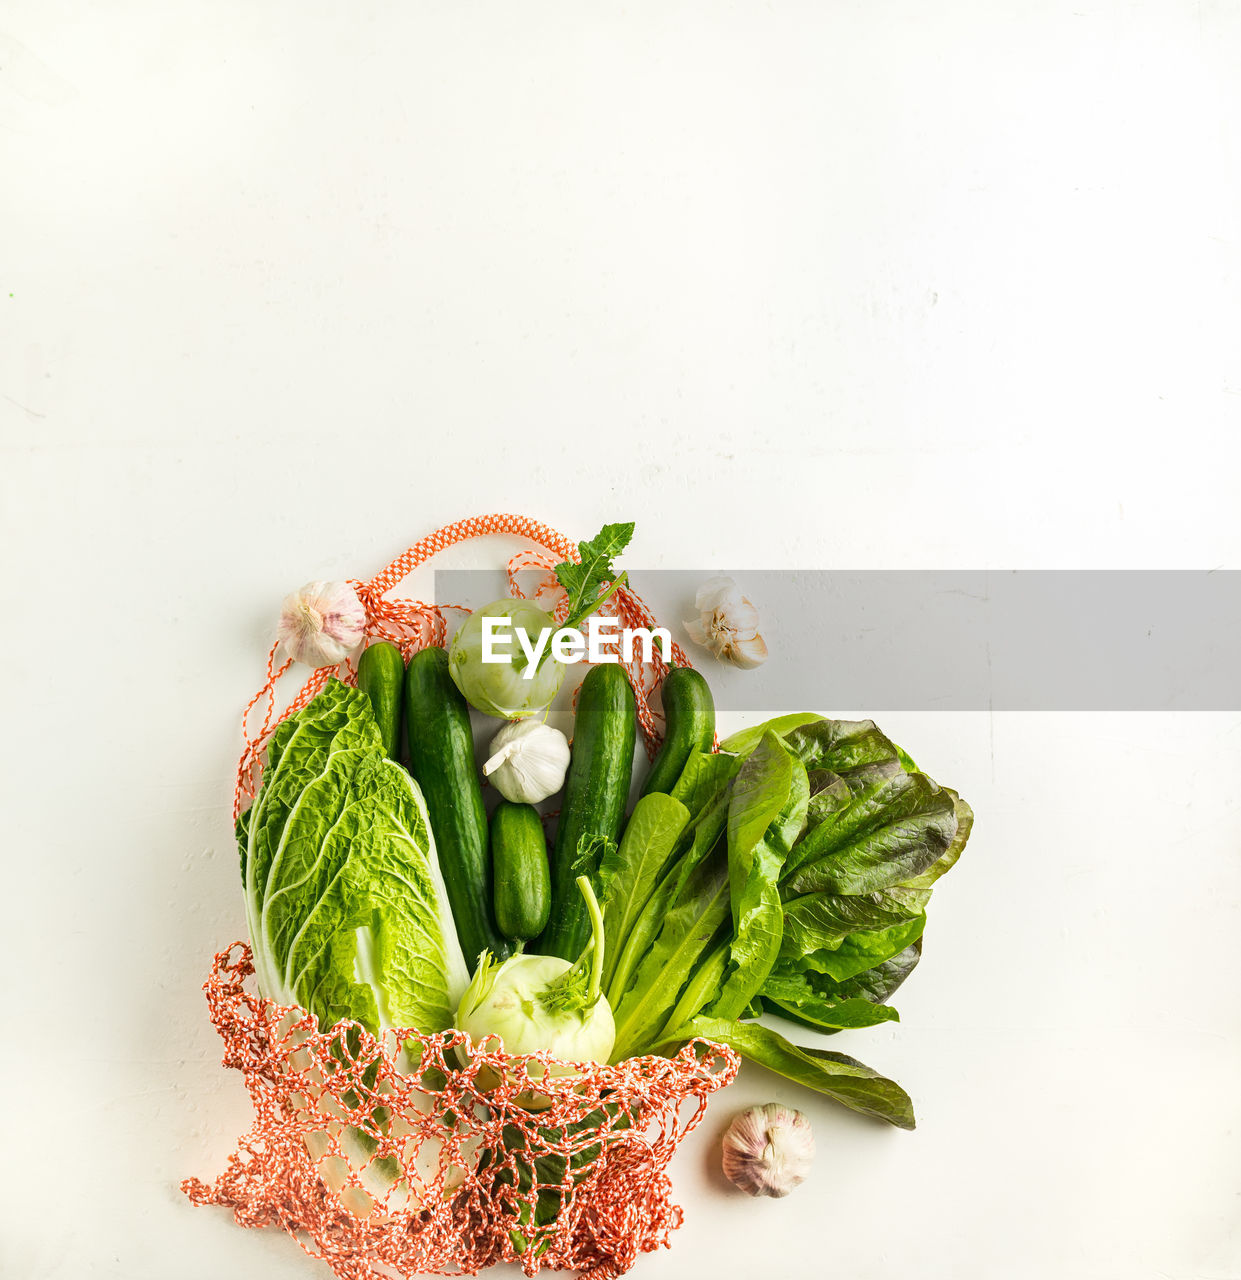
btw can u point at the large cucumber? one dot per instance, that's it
(441, 758)
(523, 885)
(595, 795)
(381, 676)
(689, 711)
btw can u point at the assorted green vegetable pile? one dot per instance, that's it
(787, 873)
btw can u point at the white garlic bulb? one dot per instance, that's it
(727, 624)
(528, 761)
(768, 1150)
(322, 623)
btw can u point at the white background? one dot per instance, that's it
(851, 283)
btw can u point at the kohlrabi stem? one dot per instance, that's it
(619, 582)
(596, 939)
(607, 595)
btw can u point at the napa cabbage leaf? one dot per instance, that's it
(346, 906)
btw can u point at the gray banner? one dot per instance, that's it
(1022, 640)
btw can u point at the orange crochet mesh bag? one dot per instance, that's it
(415, 1154)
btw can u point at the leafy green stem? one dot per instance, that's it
(574, 991)
(575, 620)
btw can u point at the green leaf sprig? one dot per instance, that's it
(582, 581)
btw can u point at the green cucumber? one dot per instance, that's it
(523, 882)
(689, 712)
(381, 676)
(595, 795)
(441, 759)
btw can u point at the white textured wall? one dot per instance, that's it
(854, 283)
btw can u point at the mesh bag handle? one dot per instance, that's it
(415, 624)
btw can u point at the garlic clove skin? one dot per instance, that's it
(322, 623)
(727, 624)
(716, 593)
(748, 654)
(528, 761)
(768, 1150)
(698, 633)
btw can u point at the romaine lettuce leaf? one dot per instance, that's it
(808, 996)
(891, 830)
(800, 891)
(864, 949)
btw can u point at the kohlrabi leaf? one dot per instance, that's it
(347, 910)
(582, 581)
(594, 853)
(835, 1074)
(567, 993)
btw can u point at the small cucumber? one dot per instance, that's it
(381, 676)
(689, 710)
(441, 759)
(596, 793)
(523, 882)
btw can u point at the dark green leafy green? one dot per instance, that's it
(745, 740)
(965, 824)
(704, 778)
(840, 745)
(820, 1001)
(878, 983)
(689, 927)
(892, 829)
(864, 949)
(702, 987)
(765, 814)
(822, 921)
(628, 874)
(796, 996)
(834, 1074)
(798, 885)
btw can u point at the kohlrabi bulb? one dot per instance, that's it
(506, 1001)
(533, 1003)
(502, 688)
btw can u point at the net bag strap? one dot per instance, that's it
(415, 624)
